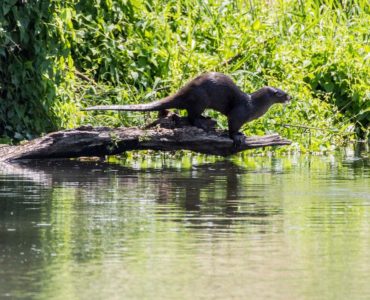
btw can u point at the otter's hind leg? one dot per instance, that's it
(196, 119)
(196, 105)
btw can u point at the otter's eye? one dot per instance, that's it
(279, 94)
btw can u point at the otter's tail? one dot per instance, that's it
(165, 103)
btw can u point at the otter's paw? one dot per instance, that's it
(238, 139)
(201, 123)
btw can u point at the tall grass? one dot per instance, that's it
(136, 51)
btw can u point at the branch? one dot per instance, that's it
(169, 133)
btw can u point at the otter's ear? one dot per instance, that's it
(271, 90)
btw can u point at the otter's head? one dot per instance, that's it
(277, 95)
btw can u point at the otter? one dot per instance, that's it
(216, 91)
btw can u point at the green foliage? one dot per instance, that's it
(59, 56)
(23, 70)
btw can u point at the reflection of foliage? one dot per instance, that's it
(79, 223)
(55, 53)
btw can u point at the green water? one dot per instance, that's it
(259, 228)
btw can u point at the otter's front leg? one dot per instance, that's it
(235, 123)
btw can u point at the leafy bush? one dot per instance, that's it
(27, 90)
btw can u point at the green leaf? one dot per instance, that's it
(256, 25)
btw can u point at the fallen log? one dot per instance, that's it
(168, 133)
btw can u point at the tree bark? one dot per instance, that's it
(169, 133)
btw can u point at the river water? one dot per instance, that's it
(189, 228)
